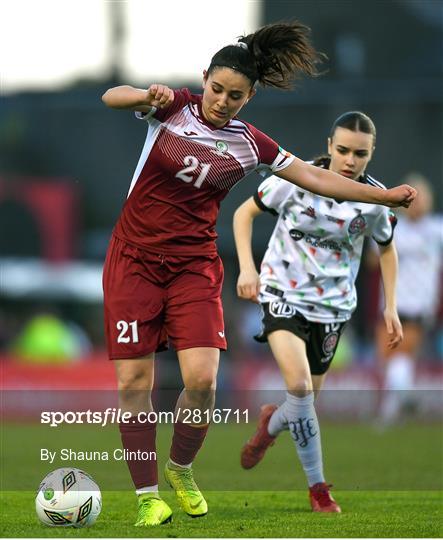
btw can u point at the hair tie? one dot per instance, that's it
(241, 61)
(241, 44)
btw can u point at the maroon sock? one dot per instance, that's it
(186, 442)
(140, 437)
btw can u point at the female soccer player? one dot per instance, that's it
(419, 241)
(307, 288)
(162, 275)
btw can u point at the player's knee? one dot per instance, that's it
(200, 391)
(202, 383)
(134, 380)
(301, 387)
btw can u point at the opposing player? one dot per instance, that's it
(162, 276)
(419, 241)
(306, 288)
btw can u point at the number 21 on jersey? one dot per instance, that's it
(128, 332)
(187, 174)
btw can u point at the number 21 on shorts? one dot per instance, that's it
(128, 332)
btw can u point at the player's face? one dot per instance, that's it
(225, 93)
(350, 152)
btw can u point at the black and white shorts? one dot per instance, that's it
(321, 339)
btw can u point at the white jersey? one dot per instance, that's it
(419, 245)
(315, 250)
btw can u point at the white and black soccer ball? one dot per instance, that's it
(68, 497)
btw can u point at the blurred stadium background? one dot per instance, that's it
(66, 162)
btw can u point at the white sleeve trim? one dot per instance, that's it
(146, 116)
(283, 160)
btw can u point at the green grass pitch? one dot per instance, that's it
(389, 484)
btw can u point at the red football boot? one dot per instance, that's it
(321, 499)
(254, 450)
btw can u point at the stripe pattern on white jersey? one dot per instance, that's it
(186, 169)
(224, 171)
(232, 165)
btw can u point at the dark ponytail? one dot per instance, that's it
(274, 55)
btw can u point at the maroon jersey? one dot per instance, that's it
(186, 168)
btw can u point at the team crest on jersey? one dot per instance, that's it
(222, 148)
(357, 225)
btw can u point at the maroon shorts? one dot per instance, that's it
(150, 299)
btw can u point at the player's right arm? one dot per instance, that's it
(248, 283)
(137, 99)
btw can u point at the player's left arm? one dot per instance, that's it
(330, 184)
(389, 271)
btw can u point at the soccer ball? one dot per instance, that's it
(68, 498)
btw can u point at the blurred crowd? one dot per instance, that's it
(60, 330)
